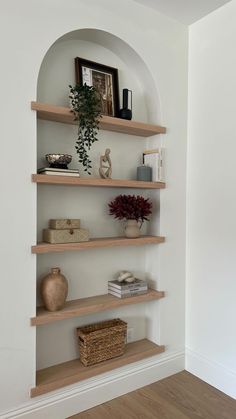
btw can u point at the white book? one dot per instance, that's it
(155, 160)
(133, 294)
(57, 169)
(47, 172)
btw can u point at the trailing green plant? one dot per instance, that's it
(86, 105)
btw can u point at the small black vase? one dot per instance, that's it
(125, 112)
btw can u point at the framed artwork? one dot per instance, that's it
(104, 79)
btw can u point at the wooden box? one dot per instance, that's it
(62, 223)
(101, 341)
(65, 236)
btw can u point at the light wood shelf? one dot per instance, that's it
(96, 243)
(108, 123)
(71, 372)
(84, 306)
(94, 182)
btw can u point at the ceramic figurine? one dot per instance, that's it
(105, 169)
(125, 276)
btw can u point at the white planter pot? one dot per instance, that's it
(132, 229)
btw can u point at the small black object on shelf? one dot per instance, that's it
(125, 112)
(58, 166)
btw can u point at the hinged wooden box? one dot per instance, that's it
(73, 235)
(63, 223)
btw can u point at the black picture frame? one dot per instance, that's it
(104, 78)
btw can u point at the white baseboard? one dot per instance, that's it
(211, 372)
(92, 392)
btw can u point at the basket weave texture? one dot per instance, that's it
(101, 341)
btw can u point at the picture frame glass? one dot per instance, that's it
(104, 79)
(103, 83)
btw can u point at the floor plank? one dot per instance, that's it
(181, 396)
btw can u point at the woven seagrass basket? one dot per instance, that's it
(101, 341)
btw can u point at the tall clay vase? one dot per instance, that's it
(54, 290)
(132, 229)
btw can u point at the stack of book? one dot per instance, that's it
(58, 172)
(155, 160)
(126, 289)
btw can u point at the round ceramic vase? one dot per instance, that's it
(54, 290)
(144, 173)
(132, 229)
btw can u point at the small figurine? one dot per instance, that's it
(105, 169)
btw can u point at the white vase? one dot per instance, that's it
(132, 229)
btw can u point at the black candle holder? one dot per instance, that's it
(125, 112)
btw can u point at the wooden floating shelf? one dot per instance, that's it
(108, 123)
(61, 375)
(96, 243)
(84, 306)
(101, 183)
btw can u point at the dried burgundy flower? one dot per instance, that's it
(130, 207)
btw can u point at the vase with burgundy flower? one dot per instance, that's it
(133, 209)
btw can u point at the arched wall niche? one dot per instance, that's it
(57, 70)
(86, 278)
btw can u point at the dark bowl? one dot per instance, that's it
(58, 159)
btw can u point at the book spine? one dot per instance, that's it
(115, 294)
(161, 165)
(156, 160)
(52, 169)
(60, 174)
(127, 286)
(153, 160)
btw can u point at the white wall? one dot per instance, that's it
(27, 30)
(211, 201)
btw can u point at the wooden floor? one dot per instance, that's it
(181, 396)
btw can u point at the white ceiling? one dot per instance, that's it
(185, 11)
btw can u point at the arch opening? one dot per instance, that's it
(57, 70)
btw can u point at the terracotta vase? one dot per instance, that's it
(54, 290)
(132, 229)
